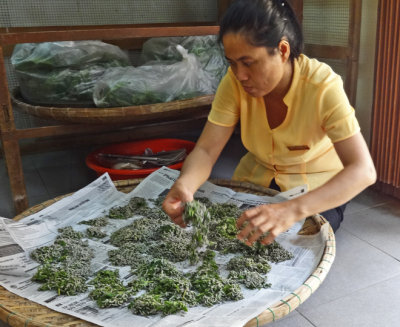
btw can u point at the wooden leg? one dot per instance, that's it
(14, 167)
(10, 143)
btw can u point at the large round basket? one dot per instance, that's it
(194, 107)
(18, 311)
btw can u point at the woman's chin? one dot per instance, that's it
(251, 91)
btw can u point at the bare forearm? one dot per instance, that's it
(196, 169)
(358, 173)
(340, 189)
(199, 163)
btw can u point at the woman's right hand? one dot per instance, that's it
(174, 202)
(196, 169)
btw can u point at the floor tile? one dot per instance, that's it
(378, 226)
(291, 320)
(34, 184)
(6, 206)
(369, 198)
(357, 265)
(373, 306)
(58, 158)
(66, 179)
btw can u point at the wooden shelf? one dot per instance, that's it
(10, 136)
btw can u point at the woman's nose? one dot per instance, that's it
(241, 73)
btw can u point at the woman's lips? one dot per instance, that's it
(248, 89)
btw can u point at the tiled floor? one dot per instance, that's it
(363, 286)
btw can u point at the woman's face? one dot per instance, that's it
(259, 72)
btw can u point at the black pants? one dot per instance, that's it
(334, 216)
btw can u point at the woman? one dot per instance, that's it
(295, 119)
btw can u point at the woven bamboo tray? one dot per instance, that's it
(17, 311)
(194, 107)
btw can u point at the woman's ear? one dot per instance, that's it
(284, 49)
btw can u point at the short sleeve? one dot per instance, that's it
(336, 113)
(225, 109)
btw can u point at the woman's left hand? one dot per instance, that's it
(272, 218)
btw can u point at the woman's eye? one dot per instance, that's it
(247, 64)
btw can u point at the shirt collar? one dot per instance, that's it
(288, 98)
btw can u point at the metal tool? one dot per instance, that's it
(162, 158)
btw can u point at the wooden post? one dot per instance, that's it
(354, 49)
(11, 144)
(222, 6)
(297, 6)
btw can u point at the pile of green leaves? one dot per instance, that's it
(249, 272)
(65, 265)
(168, 290)
(197, 215)
(95, 232)
(210, 287)
(109, 290)
(153, 246)
(97, 222)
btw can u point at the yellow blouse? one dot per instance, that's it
(300, 150)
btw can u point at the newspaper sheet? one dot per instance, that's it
(18, 239)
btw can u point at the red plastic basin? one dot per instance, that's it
(136, 148)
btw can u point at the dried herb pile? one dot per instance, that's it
(65, 265)
(154, 248)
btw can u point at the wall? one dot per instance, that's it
(366, 66)
(326, 22)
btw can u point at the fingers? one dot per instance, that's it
(248, 215)
(178, 220)
(269, 238)
(173, 205)
(255, 223)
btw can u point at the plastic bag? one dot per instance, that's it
(49, 55)
(73, 87)
(153, 83)
(206, 48)
(63, 73)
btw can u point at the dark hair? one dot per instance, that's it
(264, 23)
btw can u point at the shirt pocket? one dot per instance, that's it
(295, 154)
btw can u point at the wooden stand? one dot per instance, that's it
(10, 135)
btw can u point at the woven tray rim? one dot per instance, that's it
(270, 314)
(156, 111)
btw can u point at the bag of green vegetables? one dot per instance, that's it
(206, 48)
(153, 83)
(63, 73)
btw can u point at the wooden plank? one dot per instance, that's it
(14, 168)
(11, 145)
(58, 130)
(76, 129)
(6, 113)
(164, 130)
(105, 32)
